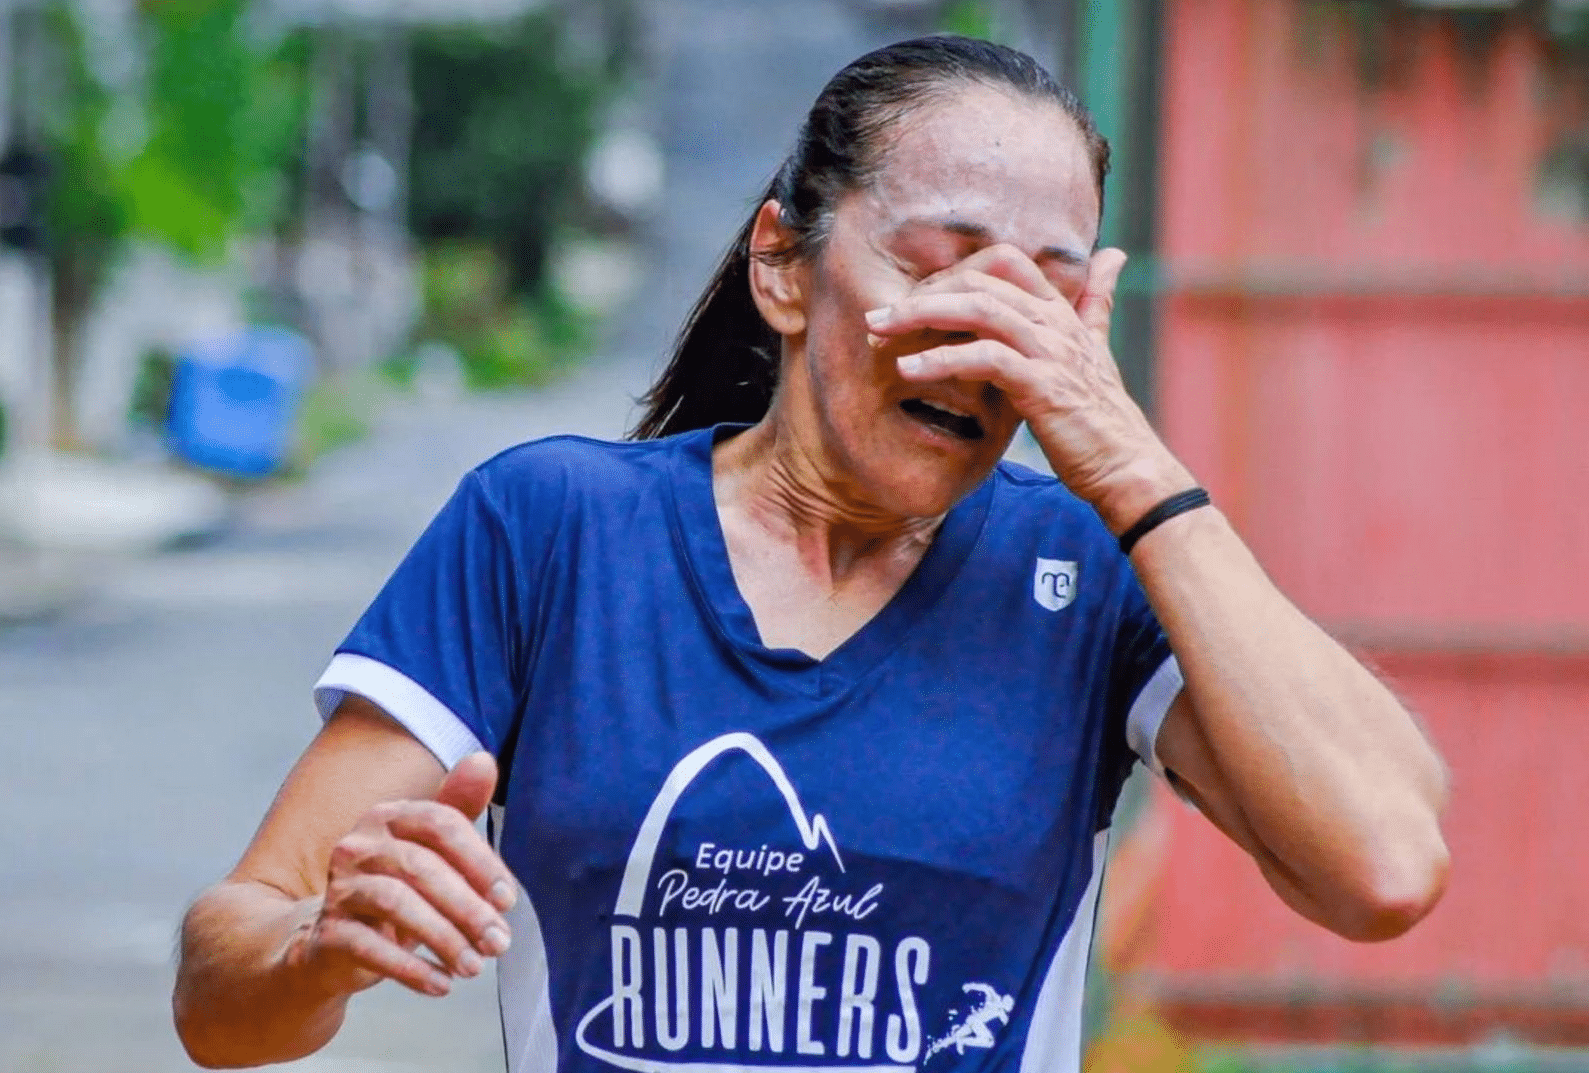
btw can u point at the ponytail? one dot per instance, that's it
(725, 362)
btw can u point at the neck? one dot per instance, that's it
(782, 483)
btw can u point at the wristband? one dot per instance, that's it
(1179, 503)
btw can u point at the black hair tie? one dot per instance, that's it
(1179, 503)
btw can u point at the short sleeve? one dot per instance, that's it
(441, 647)
(1144, 679)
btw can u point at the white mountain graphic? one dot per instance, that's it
(813, 831)
(632, 892)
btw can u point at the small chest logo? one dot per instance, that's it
(1054, 583)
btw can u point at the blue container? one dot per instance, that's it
(233, 400)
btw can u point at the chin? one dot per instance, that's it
(924, 486)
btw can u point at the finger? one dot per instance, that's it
(370, 950)
(1096, 305)
(445, 830)
(980, 360)
(439, 884)
(387, 901)
(1004, 261)
(468, 786)
(1028, 305)
(977, 312)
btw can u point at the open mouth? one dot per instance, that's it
(953, 422)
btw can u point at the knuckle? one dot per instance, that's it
(337, 933)
(362, 943)
(384, 895)
(431, 817)
(362, 852)
(411, 862)
(385, 812)
(344, 856)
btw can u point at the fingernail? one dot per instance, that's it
(910, 363)
(874, 341)
(874, 317)
(503, 895)
(437, 984)
(469, 963)
(494, 940)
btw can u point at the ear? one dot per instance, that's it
(778, 289)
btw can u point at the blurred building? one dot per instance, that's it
(1361, 299)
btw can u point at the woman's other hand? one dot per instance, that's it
(367, 867)
(414, 874)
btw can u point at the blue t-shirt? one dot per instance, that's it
(742, 858)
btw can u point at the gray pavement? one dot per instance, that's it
(145, 731)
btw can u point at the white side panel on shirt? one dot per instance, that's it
(1148, 711)
(1053, 1042)
(522, 985)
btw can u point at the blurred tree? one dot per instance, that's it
(86, 213)
(188, 155)
(503, 119)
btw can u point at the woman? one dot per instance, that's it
(809, 732)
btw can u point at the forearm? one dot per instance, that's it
(243, 996)
(1329, 772)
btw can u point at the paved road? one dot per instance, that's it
(145, 732)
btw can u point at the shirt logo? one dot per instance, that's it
(773, 951)
(1054, 583)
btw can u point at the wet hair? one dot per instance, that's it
(725, 362)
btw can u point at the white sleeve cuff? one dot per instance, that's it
(1149, 709)
(400, 697)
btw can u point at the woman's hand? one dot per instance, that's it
(368, 854)
(1052, 360)
(413, 874)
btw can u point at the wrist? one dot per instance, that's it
(314, 978)
(1137, 487)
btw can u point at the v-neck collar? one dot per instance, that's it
(699, 533)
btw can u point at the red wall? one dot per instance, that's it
(1375, 352)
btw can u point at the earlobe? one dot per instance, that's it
(776, 286)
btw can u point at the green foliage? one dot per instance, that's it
(151, 391)
(86, 210)
(1380, 31)
(503, 339)
(501, 129)
(334, 412)
(225, 121)
(191, 149)
(503, 120)
(969, 18)
(184, 156)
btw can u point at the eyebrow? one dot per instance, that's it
(976, 231)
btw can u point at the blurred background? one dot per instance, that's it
(273, 273)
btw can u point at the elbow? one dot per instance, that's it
(203, 1037)
(1399, 894)
(196, 1040)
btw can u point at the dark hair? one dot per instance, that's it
(725, 362)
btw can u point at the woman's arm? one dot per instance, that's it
(1289, 744)
(368, 854)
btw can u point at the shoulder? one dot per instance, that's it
(565, 471)
(1024, 498)
(1034, 519)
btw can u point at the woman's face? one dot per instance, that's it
(978, 168)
